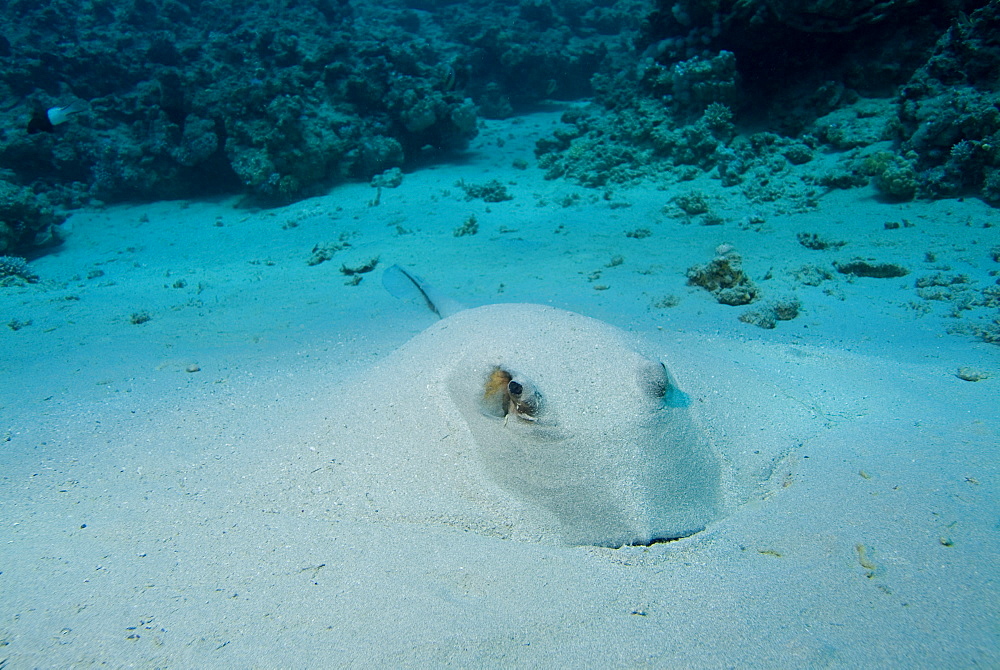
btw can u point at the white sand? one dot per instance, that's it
(153, 516)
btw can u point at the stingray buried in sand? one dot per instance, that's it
(524, 422)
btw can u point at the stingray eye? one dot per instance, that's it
(504, 396)
(525, 400)
(653, 380)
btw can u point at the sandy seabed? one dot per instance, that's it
(170, 434)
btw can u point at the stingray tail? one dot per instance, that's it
(405, 285)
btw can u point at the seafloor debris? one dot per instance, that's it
(864, 268)
(767, 316)
(469, 227)
(324, 251)
(491, 191)
(364, 267)
(817, 243)
(724, 278)
(971, 374)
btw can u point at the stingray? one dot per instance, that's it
(525, 422)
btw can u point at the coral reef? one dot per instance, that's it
(26, 219)
(915, 81)
(948, 118)
(15, 270)
(631, 144)
(187, 98)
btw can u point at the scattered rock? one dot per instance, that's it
(361, 269)
(724, 278)
(859, 124)
(786, 309)
(324, 251)
(666, 302)
(768, 315)
(469, 227)
(812, 275)
(17, 324)
(692, 203)
(762, 318)
(638, 233)
(817, 243)
(863, 268)
(391, 178)
(971, 374)
(941, 286)
(491, 191)
(798, 154)
(712, 219)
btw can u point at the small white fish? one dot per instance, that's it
(46, 120)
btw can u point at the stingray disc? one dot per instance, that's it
(526, 422)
